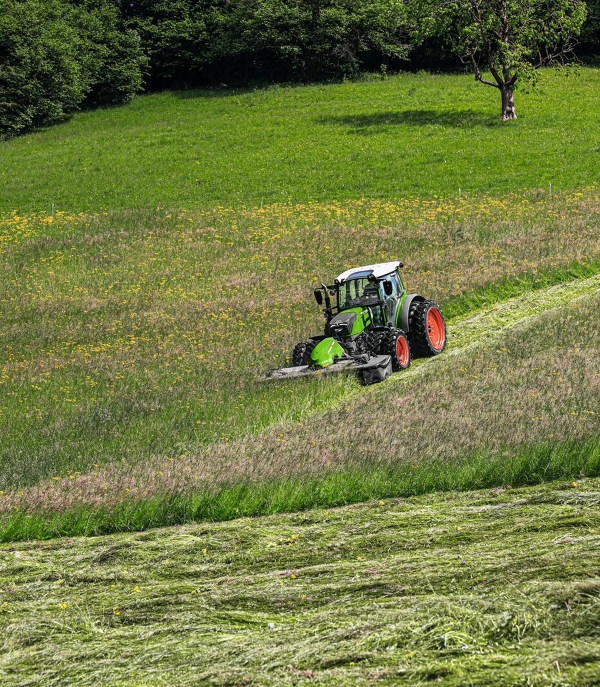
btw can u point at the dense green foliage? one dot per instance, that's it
(112, 56)
(60, 55)
(55, 55)
(590, 33)
(198, 41)
(41, 76)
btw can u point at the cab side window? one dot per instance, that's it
(393, 279)
(398, 283)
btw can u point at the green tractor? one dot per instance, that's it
(372, 325)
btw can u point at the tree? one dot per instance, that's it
(191, 42)
(589, 46)
(175, 36)
(111, 56)
(40, 74)
(508, 38)
(329, 37)
(56, 55)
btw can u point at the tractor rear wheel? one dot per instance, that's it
(302, 351)
(395, 344)
(427, 329)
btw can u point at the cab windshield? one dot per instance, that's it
(357, 292)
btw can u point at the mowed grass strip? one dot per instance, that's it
(412, 134)
(519, 405)
(135, 335)
(491, 587)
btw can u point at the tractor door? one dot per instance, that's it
(392, 302)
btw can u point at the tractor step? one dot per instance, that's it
(376, 369)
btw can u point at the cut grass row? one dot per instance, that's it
(136, 335)
(490, 587)
(410, 135)
(515, 401)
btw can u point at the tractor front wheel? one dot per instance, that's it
(374, 341)
(427, 329)
(302, 351)
(395, 344)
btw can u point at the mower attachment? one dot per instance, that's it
(371, 369)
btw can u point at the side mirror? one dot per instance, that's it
(388, 288)
(318, 296)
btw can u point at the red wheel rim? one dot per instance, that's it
(436, 329)
(402, 351)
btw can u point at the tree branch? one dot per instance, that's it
(478, 77)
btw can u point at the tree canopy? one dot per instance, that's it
(59, 55)
(56, 56)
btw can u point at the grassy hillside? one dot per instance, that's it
(514, 401)
(493, 587)
(410, 135)
(134, 336)
(133, 341)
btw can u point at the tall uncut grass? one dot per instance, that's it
(138, 335)
(517, 407)
(133, 340)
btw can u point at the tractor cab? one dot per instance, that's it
(356, 292)
(376, 289)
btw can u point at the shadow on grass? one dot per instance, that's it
(371, 123)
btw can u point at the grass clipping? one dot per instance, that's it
(493, 587)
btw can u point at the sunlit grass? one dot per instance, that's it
(513, 401)
(410, 135)
(133, 341)
(489, 587)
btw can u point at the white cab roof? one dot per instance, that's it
(377, 271)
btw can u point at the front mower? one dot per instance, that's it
(372, 325)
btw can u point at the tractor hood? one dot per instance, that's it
(326, 352)
(350, 322)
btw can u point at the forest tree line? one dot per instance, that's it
(57, 56)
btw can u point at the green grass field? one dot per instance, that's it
(140, 337)
(411, 135)
(177, 268)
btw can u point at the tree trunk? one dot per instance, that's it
(508, 103)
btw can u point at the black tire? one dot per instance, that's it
(374, 341)
(302, 351)
(427, 329)
(395, 344)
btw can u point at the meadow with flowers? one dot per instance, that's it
(137, 342)
(134, 339)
